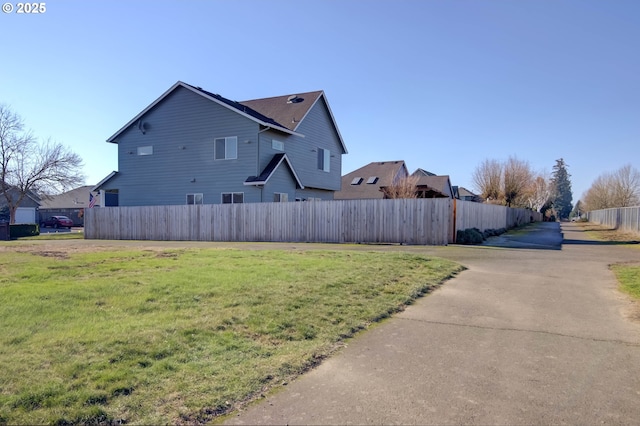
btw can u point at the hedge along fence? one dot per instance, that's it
(407, 221)
(624, 218)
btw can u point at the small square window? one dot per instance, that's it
(277, 145)
(145, 150)
(226, 148)
(195, 198)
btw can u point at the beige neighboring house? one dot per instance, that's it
(71, 204)
(369, 182)
(430, 185)
(366, 182)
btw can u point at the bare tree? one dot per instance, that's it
(539, 193)
(626, 186)
(618, 189)
(403, 188)
(597, 196)
(487, 178)
(517, 179)
(27, 166)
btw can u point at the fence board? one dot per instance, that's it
(409, 221)
(626, 219)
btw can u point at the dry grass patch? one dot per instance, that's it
(605, 233)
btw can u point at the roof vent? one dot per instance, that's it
(372, 180)
(294, 99)
(356, 181)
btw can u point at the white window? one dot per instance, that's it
(324, 159)
(356, 181)
(194, 198)
(232, 197)
(280, 197)
(277, 145)
(372, 180)
(145, 150)
(226, 148)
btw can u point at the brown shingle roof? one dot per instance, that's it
(436, 183)
(287, 110)
(387, 173)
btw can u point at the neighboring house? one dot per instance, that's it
(430, 185)
(71, 204)
(466, 195)
(27, 211)
(191, 146)
(366, 182)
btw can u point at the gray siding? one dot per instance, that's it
(319, 132)
(181, 130)
(281, 181)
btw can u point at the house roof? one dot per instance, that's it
(464, 192)
(271, 168)
(439, 184)
(13, 190)
(235, 106)
(103, 181)
(76, 198)
(365, 182)
(281, 113)
(290, 110)
(423, 172)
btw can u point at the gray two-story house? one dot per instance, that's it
(191, 146)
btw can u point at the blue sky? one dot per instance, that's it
(442, 85)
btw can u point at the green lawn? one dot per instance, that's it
(629, 278)
(175, 336)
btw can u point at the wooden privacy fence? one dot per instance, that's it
(408, 221)
(623, 218)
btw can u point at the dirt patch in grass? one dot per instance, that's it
(56, 254)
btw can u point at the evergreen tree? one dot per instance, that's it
(561, 189)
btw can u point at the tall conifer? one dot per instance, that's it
(561, 189)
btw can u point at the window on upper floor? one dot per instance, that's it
(277, 145)
(195, 198)
(226, 148)
(145, 150)
(232, 197)
(324, 159)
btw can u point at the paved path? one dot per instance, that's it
(534, 332)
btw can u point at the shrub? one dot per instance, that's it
(24, 230)
(469, 236)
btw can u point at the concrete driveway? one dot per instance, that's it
(534, 332)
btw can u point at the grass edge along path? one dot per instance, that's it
(182, 336)
(627, 274)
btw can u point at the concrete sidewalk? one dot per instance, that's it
(533, 332)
